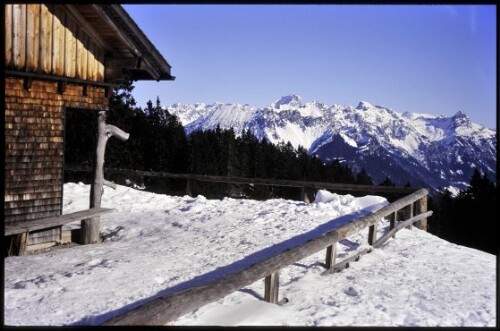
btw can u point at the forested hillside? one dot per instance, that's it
(158, 142)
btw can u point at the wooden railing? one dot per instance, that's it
(254, 181)
(162, 310)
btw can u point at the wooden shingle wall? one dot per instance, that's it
(48, 39)
(34, 146)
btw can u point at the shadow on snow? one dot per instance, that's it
(232, 268)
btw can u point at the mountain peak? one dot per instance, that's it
(292, 100)
(460, 114)
(364, 105)
(460, 119)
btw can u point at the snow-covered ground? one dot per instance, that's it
(158, 244)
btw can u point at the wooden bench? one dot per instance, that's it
(22, 229)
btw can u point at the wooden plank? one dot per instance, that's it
(100, 64)
(272, 284)
(82, 46)
(401, 225)
(8, 35)
(92, 62)
(164, 309)
(46, 40)
(19, 36)
(331, 253)
(54, 221)
(70, 48)
(32, 37)
(44, 236)
(58, 41)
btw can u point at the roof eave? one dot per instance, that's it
(155, 65)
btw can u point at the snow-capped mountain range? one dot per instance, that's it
(425, 150)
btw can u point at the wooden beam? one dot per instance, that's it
(61, 86)
(345, 263)
(17, 244)
(256, 181)
(392, 222)
(84, 25)
(44, 223)
(331, 253)
(303, 195)
(372, 234)
(188, 188)
(28, 82)
(409, 214)
(58, 79)
(401, 225)
(90, 227)
(161, 310)
(422, 208)
(108, 92)
(116, 30)
(272, 284)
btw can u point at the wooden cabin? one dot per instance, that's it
(59, 58)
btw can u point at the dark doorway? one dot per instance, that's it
(80, 139)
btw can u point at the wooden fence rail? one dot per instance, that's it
(162, 310)
(255, 181)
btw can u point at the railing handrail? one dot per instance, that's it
(256, 181)
(162, 310)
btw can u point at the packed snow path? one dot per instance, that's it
(158, 244)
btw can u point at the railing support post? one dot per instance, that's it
(331, 252)
(188, 188)
(422, 208)
(272, 283)
(409, 214)
(372, 234)
(392, 222)
(303, 195)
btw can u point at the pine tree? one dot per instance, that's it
(470, 218)
(363, 178)
(387, 182)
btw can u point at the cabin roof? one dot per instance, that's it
(127, 47)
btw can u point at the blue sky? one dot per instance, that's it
(435, 59)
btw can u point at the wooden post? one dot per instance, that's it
(331, 253)
(90, 227)
(372, 233)
(18, 244)
(392, 222)
(272, 283)
(303, 195)
(188, 188)
(409, 214)
(422, 208)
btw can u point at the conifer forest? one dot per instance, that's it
(158, 143)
